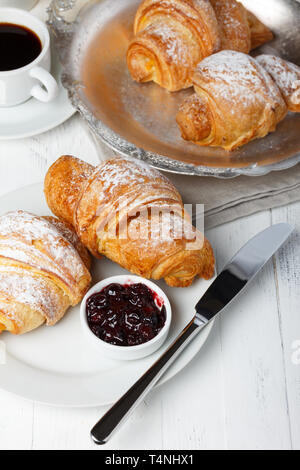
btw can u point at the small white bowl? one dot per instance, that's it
(126, 353)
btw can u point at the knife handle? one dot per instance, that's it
(115, 417)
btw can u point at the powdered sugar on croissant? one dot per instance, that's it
(234, 28)
(287, 77)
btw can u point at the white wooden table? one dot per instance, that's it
(241, 392)
(243, 389)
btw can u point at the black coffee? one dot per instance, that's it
(19, 46)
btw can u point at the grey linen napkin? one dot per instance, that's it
(230, 199)
(226, 200)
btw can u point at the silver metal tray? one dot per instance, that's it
(139, 120)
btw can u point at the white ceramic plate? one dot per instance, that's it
(56, 366)
(34, 117)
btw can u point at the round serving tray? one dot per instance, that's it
(139, 120)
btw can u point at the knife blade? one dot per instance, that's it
(227, 287)
(241, 270)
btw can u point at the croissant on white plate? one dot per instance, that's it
(132, 214)
(173, 36)
(44, 269)
(238, 98)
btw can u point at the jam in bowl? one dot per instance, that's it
(126, 317)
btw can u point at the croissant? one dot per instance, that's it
(236, 101)
(132, 214)
(173, 36)
(240, 30)
(234, 28)
(287, 77)
(260, 34)
(44, 269)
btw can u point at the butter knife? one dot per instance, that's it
(230, 283)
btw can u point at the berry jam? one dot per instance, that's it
(126, 315)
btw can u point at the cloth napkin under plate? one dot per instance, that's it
(229, 199)
(226, 200)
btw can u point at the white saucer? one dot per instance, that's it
(57, 366)
(33, 117)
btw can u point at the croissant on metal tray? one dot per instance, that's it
(44, 269)
(287, 78)
(132, 214)
(173, 36)
(236, 99)
(260, 33)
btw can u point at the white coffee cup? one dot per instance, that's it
(25, 4)
(34, 79)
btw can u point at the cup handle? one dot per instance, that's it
(47, 81)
